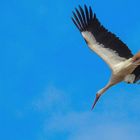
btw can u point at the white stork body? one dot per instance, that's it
(124, 66)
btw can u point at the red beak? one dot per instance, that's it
(95, 101)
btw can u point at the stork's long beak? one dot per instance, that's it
(136, 57)
(95, 101)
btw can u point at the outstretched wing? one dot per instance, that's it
(109, 47)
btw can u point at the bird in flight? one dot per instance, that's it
(124, 65)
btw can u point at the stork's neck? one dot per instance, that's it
(103, 90)
(100, 92)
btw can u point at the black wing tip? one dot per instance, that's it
(75, 23)
(85, 6)
(95, 16)
(83, 17)
(80, 7)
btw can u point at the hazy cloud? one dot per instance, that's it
(52, 99)
(83, 125)
(89, 126)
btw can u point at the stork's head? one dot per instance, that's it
(136, 59)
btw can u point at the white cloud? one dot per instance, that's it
(51, 100)
(88, 126)
(109, 124)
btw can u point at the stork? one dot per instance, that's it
(123, 64)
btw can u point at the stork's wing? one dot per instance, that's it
(136, 73)
(100, 40)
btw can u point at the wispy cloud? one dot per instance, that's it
(89, 126)
(81, 125)
(52, 100)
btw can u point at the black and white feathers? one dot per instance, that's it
(109, 47)
(136, 73)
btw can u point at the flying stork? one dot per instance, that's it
(124, 65)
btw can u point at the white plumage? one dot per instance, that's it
(108, 55)
(124, 66)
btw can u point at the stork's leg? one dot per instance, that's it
(100, 92)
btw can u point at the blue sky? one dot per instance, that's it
(49, 77)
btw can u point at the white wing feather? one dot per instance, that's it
(108, 55)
